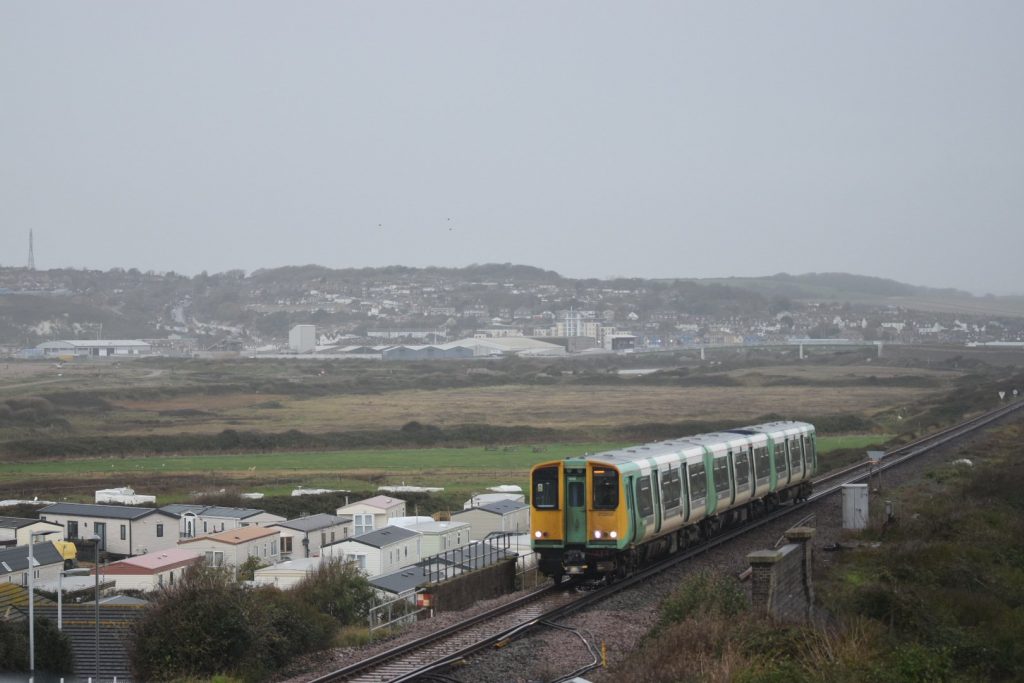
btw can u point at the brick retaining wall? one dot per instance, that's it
(781, 584)
(482, 584)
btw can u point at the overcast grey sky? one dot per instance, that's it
(651, 139)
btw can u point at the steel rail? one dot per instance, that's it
(941, 436)
(392, 657)
(389, 666)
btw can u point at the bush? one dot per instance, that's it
(704, 593)
(247, 570)
(208, 625)
(283, 627)
(338, 590)
(53, 648)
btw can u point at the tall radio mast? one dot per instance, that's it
(31, 252)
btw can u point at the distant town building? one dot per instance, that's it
(302, 339)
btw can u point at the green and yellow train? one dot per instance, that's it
(602, 515)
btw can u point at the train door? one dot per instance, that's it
(697, 485)
(645, 504)
(796, 459)
(631, 507)
(575, 506)
(812, 454)
(733, 488)
(781, 461)
(744, 481)
(722, 482)
(659, 514)
(684, 491)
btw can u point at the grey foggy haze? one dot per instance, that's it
(592, 138)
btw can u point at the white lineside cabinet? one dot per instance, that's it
(855, 506)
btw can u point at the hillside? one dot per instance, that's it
(260, 307)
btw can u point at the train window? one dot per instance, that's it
(575, 494)
(606, 489)
(742, 469)
(762, 464)
(671, 489)
(545, 488)
(644, 502)
(810, 450)
(721, 475)
(698, 482)
(781, 464)
(795, 458)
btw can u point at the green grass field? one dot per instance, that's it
(456, 469)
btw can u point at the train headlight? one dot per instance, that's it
(597, 534)
(538, 534)
(614, 534)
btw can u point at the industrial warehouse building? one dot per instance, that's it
(425, 353)
(98, 348)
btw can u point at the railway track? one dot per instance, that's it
(437, 651)
(907, 451)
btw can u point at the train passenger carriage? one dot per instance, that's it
(604, 514)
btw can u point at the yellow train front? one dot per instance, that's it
(578, 524)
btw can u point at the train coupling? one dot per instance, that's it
(574, 562)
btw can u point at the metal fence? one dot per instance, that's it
(476, 555)
(401, 610)
(406, 607)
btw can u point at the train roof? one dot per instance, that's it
(691, 446)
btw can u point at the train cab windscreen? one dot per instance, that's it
(606, 488)
(545, 488)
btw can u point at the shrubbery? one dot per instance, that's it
(232, 440)
(53, 648)
(208, 625)
(338, 590)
